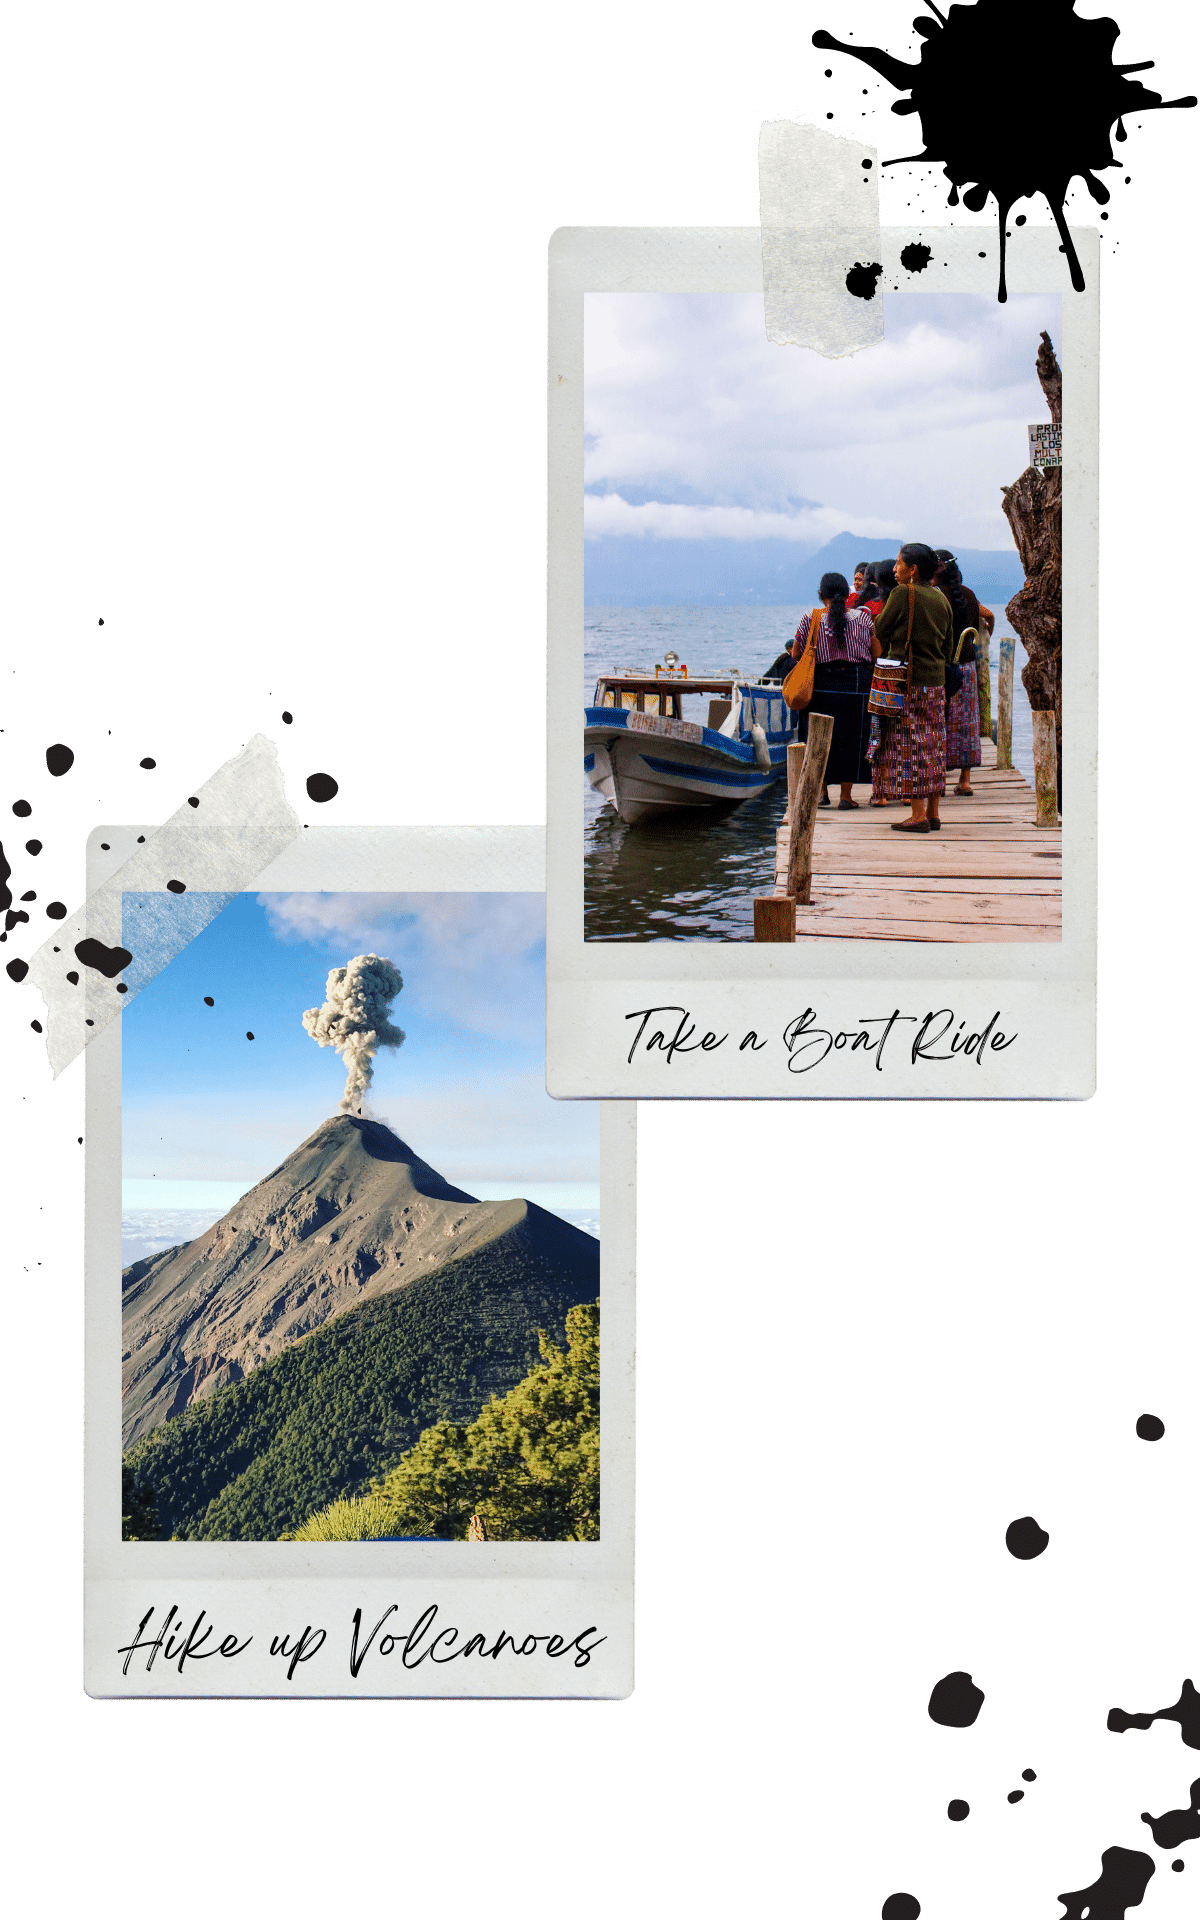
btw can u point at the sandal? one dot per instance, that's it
(910, 826)
(964, 793)
(844, 806)
(824, 801)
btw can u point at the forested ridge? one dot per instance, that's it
(341, 1407)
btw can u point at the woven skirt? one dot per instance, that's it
(911, 762)
(840, 689)
(962, 723)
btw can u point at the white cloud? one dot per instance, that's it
(687, 403)
(447, 946)
(609, 513)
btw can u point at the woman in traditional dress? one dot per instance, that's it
(916, 626)
(962, 711)
(860, 573)
(846, 653)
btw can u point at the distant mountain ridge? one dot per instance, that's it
(634, 570)
(351, 1216)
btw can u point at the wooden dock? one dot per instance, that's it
(990, 874)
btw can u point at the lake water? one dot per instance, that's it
(695, 878)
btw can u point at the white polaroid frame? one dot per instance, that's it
(560, 1614)
(732, 1010)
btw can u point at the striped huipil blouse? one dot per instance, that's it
(856, 641)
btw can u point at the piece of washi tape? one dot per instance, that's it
(819, 209)
(100, 958)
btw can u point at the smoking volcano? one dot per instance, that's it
(351, 1218)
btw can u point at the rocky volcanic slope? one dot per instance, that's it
(353, 1215)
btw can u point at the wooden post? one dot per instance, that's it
(774, 917)
(795, 765)
(983, 679)
(804, 813)
(1045, 769)
(1004, 721)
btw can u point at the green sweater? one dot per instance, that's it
(932, 633)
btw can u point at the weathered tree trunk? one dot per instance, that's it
(1033, 506)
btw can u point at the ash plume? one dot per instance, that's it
(354, 1020)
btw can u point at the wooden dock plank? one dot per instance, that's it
(991, 874)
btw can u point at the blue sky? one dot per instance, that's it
(697, 428)
(201, 1102)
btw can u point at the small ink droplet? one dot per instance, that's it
(320, 787)
(22, 809)
(958, 1810)
(36, 1025)
(59, 759)
(209, 1001)
(56, 911)
(1029, 1774)
(1014, 1796)
(249, 1036)
(148, 764)
(176, 886)
(287, 719)
(1150, 1427)
(192, 801)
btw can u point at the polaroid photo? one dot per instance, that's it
(359, 1295)
(880, 882)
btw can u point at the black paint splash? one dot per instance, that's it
(860, 281)
(1171, 1829)
(957, 1810)
(34, 847)
(1029, 1774)
(176, 886)
(1124, 1877)
(963, 89)
(323, 786)
(901, 1906)
(1018, 1793)
(1025, 1539)
(1186, 1711)
(16, 970)
(148, 764)
(106, 960)
(22, 809)
(915, 257)
(955, 1701)
(287, 718)
(1150, 1427)
(59, 759)
(5, 875)
(209, 1001)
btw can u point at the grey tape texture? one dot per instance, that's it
(819, 208)
(241, 822)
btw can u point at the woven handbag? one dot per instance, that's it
(798, 687)
(891, 681)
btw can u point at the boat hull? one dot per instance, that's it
(650, 768)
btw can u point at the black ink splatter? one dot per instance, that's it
(192, 801)
(121, 987)
(59, 759)
(16, 970)
(73, 977)
(141, 840)
(287, 719)
(36, 1025)
(901, 1906)
(209, 1001)
(1029, 1774)
(860, 281)
(34, 847)
(1025, 1539)
(1124, 1877)
(56, 911)
(22, 809)
(1177, 1866)
(970, 55)
(13, 918)
(1150, 1427)
(323, 786)
(106, 960)
(176, 886)
(148, 764)
(1186, 1711)
(958, 1810)
(104, 846)
(5, 875)
(1018, 1793)
(31, 895)
(915, 257)
(249, 1036)
(1171, 1829)
(955, 1701)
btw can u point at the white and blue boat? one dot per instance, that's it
(649, 761)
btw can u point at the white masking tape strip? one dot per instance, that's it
(819, 209)
(96, 961)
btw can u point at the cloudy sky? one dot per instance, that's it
(697, 428)
(201, 1103)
